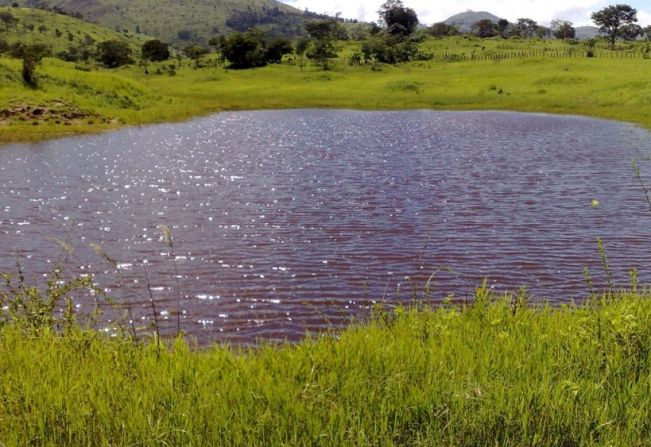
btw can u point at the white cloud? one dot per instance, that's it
(429, 11)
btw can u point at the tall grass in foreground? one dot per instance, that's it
(492, 373)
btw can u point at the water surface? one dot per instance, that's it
(292, 221)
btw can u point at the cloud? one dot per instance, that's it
(577, 11)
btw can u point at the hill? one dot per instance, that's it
(181, 22)
(59, 32)
(465, 20)
(587, 32)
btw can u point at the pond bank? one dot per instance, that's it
(496, 372)
(104, 100)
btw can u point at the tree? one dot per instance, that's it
(114, 53)
(630, 32)
(525, 28)
(389, 51)
(31, 56)
(323, 34)
(484, 28)
(244, 50)
(646, 32)
(195, 52)
(442, 29)
(542, 32)
(503, 26)
(562, 29)
(218, 44)
(612, 18)
(398, 19)
(277, 48)
(300, 47)
(155, 51)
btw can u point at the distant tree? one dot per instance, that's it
(155, 51)
(503, 28)
(323, 34)
(375, 29)
(389, 51)
(8, 20)
(300, 48)
(646, 32)
(195, 52)
(542, 32)
(630, 32)
(76, 53)
(562, 29)
(398, 19)
(359, 31)
(218, 44)
(525, 28)
(244, 50)
(31, 56)
(484, 28)
(442, 29)
(114, 53)
(590, 46)
(277, 48)
(611, 18)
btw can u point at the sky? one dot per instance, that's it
(431, 11)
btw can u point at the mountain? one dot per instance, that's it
(60, 32)
(181, 21)
(587, 32)
(466, 20)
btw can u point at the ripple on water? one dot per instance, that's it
(292, 221)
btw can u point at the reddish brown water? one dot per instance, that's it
(292, 221)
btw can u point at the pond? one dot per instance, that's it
(286, 222)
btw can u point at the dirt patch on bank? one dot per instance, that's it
(55, 112)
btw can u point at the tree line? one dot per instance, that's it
(614, 22)
(392, 40)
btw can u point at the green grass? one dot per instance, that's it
(459, 376)
(606, 87)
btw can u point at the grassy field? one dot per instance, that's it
(494, 373)
(615, 86)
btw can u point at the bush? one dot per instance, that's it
(155, 51)
(114, 53)
(250, 49)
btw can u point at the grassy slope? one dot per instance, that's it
(68, 26)
(602, 87)
(460, 377)
(161, 18)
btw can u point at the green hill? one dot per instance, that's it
(59, 32)
(180, 22)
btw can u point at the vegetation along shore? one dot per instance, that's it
(495, 372)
